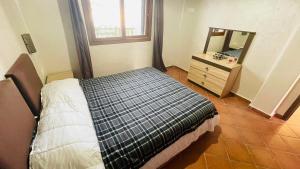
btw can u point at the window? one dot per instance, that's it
(117, 21)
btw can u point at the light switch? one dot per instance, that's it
(28, 43)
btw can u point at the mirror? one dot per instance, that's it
(224, 43)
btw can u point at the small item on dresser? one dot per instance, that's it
(219, 56)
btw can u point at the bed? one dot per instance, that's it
(136, 119)
(233, 52)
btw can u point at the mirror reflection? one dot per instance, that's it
(226, 43)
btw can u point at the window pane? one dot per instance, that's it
(106, 18)
(135, 12)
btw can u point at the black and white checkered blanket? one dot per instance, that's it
(138, 113)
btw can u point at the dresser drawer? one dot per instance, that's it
(207, 77)
(222, 74)
(205, 83)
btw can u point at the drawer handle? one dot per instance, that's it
(206, 68)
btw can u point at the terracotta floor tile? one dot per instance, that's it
(263, 157)
(293, 121)
(242, 138)
(287, 160)
(199, 164)
(241, 165)
(243, 122)
(227, 119)
(236, 101)
(294, 143)
(221, 107)
(296, 129)
(237, 151)
(189, 158)
(285, 130)
(275, 142)
(230, 132)
(215, 162)
(217, 149)
(236, 111)
(262, 126)
(250, 137)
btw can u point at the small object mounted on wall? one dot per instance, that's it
(28, 43)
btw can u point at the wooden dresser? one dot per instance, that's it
(218, 76)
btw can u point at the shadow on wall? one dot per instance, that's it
(252, 85)
(67, 25)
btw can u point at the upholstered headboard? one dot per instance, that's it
(28, 82)
(16, 127)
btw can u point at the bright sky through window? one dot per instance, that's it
(106, 15)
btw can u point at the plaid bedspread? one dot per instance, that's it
(138, 113)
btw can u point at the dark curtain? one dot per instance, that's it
(81, 40)
(158, 62)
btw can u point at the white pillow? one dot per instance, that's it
(65, 136)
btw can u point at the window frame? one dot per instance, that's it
(87, 11)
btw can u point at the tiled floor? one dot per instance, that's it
(243, 140)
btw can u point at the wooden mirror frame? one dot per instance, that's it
(228, 38)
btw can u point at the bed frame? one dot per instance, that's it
(16, 126)
(20, 101)
(27, 81)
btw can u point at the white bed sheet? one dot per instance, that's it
(66, 137)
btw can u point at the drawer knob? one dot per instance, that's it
(206, 68)
(204, 75)
(202, 83)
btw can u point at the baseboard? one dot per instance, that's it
(259, 112)
(256, 110)
(279, 116)
(241, 97)
(172, 66)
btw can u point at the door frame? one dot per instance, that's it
(292, 109)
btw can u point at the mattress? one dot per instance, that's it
(139, 113)
(67, 135)
(233, 52)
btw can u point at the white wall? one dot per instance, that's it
(179, 29)
(110, 59)
(69, 35)
(273, 20)
(283, 74)
(11, 44)
(173, 10)
(45, 24)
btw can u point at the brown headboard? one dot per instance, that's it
(16, 127)
(28, 82)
